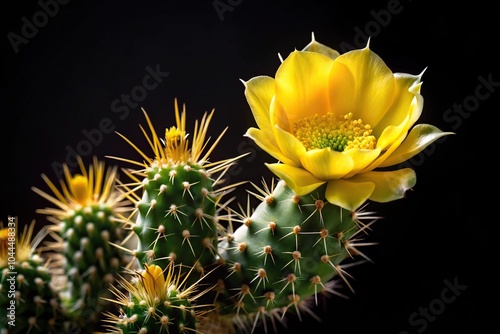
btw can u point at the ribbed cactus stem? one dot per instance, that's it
(27, 296)
(176, 199)
(87, 221)
(177, 218)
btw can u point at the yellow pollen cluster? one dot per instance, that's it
(339, 134)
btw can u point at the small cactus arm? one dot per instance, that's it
(86, 220)
(176, 197)
(27, 295)
(156, 300)
(286, 253)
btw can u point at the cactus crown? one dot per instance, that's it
(175, 149)
(87, 213)
(94, 186)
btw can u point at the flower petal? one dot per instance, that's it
(262, 140)
(154, 281)
(302, 84)
(389, 185)
(301, 181)
(421, 136)
(393, 135)
(348, 195)
(279, 116)
(407, 86)
(327, 164)
(259, 91)
(417, 104)
(341, 92)
(361, 159)
(315, 46)
(368, 91)
(289, 145)
(390, 139)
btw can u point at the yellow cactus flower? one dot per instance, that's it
(152, 286)
(336, 119)
(156, 290)
(153, 281)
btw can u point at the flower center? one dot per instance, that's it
(337, 133)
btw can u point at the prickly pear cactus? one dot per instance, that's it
(31, 304)
(86, 223)
(286, 253)
(177, 216)
(155, 300)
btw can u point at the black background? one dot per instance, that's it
(63, 80)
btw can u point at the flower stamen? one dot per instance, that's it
(339, 134)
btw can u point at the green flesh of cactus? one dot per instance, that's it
(85, 262)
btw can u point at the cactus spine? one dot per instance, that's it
(85, 223)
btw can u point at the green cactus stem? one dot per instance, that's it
(86, 220)
(177, 197)
(287, 252)
(26, 292)
(156, 300)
